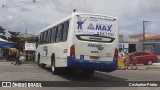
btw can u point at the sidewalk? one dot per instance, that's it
(155, 66)
(4, 62)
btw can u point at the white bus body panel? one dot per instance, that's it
(89, 48)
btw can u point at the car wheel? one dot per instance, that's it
(149, 62)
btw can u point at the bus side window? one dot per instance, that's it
(59, 33)
(44, 37)
(41, 38)
(65, 31)
(48, 36)
(54, 34)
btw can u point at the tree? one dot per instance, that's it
(32, 39)
(2, 31)
(14, 36)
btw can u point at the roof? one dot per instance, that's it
(3, 40)
(151, 37)
(141, 34)
(154, 37)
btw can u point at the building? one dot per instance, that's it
(138, 37)
(120, 38)
(155, 38)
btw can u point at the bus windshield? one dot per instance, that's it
(96, 28)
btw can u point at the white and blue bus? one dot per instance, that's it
(82, 41)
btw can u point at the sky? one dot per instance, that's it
(19, 15)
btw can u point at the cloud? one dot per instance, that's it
(153, 28)
(63, 7)
(11, 19)
(21, 14)
(125, 33)
(145, 10)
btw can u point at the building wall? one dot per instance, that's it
(138, 37)
(120, 38)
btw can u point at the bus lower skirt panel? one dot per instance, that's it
(106, 66)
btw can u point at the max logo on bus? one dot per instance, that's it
(100, 27)
(99, 46)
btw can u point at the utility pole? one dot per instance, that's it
(26, 35)
(144, 38)
(144, 31)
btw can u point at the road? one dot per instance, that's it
(10, 72)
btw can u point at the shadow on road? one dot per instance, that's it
(77, 76)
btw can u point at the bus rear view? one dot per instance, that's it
(94, 43)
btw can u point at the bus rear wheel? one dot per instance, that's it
(54, 69)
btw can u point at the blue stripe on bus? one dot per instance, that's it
(106, 66)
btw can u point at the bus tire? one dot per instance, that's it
(54, 69)
(88, 72)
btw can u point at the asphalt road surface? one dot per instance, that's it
(10, 72)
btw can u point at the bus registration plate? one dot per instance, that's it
(94, 57)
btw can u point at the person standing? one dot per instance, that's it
(127, 62)
(134, 63)
(17, 58)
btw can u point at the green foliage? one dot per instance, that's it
(3, 37)
(2, 31)
(14, 36)
(32, 39)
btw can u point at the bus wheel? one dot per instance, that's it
(88, 72)
(54, 69)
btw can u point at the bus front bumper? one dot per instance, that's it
(106, 66)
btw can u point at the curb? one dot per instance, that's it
(29, 64)
(148, 68)
(133, 69)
